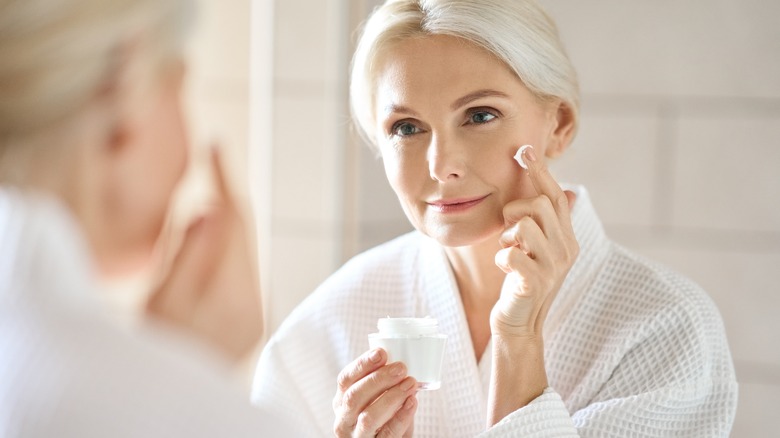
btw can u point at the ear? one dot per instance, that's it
(563, 125)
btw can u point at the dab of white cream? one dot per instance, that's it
(519, 156)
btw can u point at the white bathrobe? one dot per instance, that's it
(66, 371)
(631, 348)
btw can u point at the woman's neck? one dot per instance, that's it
(479, 282)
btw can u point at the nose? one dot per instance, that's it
(446, 159)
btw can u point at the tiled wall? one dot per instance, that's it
(308, 155)
(679, 147)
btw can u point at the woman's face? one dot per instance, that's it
(450, 117)
(144, 170)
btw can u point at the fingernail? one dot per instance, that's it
(397, 369)
(375, 356)
(409, 403)
(529, 154)
(519, 155)
(407, 384)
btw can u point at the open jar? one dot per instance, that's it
(417, 343)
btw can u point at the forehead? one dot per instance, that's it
(439, 64)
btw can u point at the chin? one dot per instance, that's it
(463, 234)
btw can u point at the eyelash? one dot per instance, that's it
(397, 125)
(471, 113)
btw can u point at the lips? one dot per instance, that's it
(456, 205)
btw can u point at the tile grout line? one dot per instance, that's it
(665, 161)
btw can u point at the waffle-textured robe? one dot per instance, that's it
(631, 348)
(66, 371)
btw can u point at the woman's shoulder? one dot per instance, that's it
(652, 291)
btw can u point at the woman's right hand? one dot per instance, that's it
(374, 398)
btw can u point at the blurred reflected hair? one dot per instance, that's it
(517, 32)
(58, 55)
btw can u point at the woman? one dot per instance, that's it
(92, 144)
(553, 329)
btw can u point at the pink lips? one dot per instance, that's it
(455, 205)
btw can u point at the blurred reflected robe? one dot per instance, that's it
(631, 348)
(66, 370)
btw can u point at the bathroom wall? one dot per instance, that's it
(679, 147)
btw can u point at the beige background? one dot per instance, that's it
(679, 146)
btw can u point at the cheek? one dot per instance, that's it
(171, 142)
(161, 166)
(405, 173)
(501, 171)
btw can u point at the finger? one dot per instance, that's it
(191, 266)
(367, 390)
(513, 259)
(539, 210)
(220, 180)
(545, 184)
(356, 370)
(382, 411)
(359, 368)
(528, 237)
(402, 423)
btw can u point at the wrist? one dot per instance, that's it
(518, 374)
(528, 350)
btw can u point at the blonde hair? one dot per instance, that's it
(57, 56)
(518, 32)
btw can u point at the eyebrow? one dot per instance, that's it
(393, 108)
(462, 101)
(479, 94)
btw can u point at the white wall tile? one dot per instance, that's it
(308, 37)
(757, 411)
(300, 265)
(670, 47)
(726, 173)
(614, 157)
(220, 46)
(306, 159)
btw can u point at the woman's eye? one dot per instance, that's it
(405, 129)
(480, 117)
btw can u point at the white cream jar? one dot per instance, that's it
(417, 343)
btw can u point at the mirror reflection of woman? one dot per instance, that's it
(554, 330)
(92, 145)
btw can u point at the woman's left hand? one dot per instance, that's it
(539, 248)
(212, 290)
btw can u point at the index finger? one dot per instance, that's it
(364, 365)
(224, 195)
(545, 184)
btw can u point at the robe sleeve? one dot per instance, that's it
(545, 416)
(675, 379)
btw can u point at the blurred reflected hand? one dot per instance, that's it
(211, 290)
